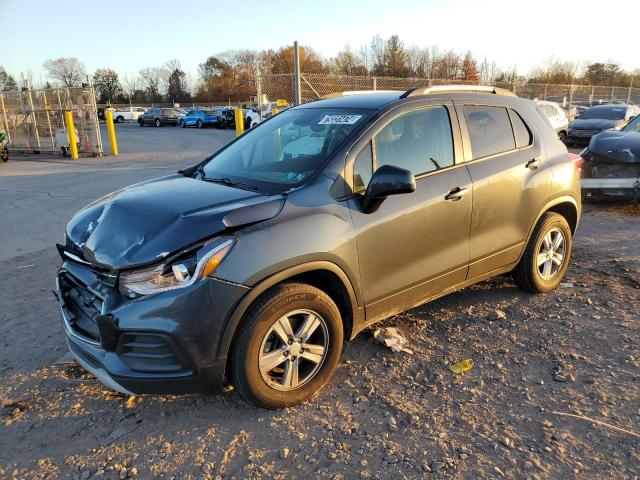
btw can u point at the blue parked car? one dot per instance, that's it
(200, 118)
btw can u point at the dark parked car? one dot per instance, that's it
(612, 164)
(159, 117)
(229, 115)
(599, 118)
(258, 262)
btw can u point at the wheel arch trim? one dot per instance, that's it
(243, 306)
(549, 207)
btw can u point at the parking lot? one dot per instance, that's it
(541, 374)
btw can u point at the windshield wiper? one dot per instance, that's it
(231, 183)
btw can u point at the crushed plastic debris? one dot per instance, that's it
(390, 337)
(566, 285)
(461, 366)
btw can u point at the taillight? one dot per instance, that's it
(577, 161)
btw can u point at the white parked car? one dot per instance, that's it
(127, 113)
(557, 117)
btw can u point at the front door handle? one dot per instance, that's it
(532, 164)
(455, 194)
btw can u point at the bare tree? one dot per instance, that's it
(68, 71)
(419, 61)
(153, 81)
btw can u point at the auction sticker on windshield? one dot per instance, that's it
(339, 119)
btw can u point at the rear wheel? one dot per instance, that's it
(288, 346)
(562, 136)
(182, 124)
(157, 123)
(199, 124)
(4, 155)
(119, 119)
(141, 122)
(546, 258)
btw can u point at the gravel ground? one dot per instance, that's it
(536, 359)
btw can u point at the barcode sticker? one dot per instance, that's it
(339, 119)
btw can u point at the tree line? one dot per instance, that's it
(231, 75)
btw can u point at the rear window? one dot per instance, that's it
(489, 130)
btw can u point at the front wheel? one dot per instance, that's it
(157, 122)
(199, 124)
(4, 155)
(119, 119)
(546, 258)
(288, 346)
(182, 124)
(141, 122)
(562, 136)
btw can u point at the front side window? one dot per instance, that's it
(285, 151)
(489, 130)
(419, 141)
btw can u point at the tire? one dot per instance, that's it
(562, 135)
(247, 124)
(4, 155)
(529, 274)
(119, 119)
(199, 124)
(157, 123)
(141, 122)
(257, 338)
(182, 124)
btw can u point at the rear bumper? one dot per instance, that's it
(165, 343)
(611, 187)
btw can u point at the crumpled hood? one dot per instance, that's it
(617, 147)
(594, 124)
(145, 222)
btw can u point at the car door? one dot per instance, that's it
(506, 160)
(415, 244)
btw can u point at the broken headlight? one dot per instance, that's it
(180, 272)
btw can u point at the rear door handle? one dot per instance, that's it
(455, 194)
(532, 164)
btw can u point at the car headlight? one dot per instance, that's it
(182, 271)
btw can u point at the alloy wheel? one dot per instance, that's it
(293, 350)
(551, 254)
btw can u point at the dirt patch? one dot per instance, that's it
(554, 392)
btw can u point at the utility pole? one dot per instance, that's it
(296, 74)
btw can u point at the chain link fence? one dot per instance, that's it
(314, 86)
(34, 120)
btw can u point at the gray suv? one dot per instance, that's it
(256, 264)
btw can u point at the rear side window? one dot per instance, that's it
(520, 130)
(489, 130)
(419, 141)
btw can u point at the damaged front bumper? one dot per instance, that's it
(163, 343)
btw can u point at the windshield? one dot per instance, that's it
(613, 113)
(633, 125)
(286, 150)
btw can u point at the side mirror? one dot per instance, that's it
(387, 180)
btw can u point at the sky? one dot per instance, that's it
(128, 35)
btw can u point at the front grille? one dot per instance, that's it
(150, 353)
(81, 306)
(583, 133)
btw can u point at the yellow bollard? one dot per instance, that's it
(112, 133)
(239, 119)
(71, 131)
